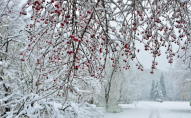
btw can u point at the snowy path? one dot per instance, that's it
(153, 110)
(154, 113)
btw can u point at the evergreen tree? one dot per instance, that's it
(152, 91)
(162, 83)
(160, 93)
(156, 92)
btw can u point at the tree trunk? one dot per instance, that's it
(108, 87)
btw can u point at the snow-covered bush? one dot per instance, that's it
(115, 109)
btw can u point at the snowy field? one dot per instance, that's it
(153, 110)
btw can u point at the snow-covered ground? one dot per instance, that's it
(153, 110)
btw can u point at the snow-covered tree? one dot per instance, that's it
(152, 90)
(10, 40)
(170, 83)
(163, 88)
(24, 89)
(181, 75)
(63, 58)
(158, 91)
(120, 85)
(130, 87)
(157, 94)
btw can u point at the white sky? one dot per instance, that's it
(146, 59)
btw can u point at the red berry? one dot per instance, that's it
(62, 24)
(22, 59)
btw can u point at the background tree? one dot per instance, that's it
(163, 88)
(158, 96)
(181, 77)
(119, 84)
(152, 90)
(156, 92)
(130, 82)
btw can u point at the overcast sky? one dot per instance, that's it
(146, 59)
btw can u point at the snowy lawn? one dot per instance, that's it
(153, 110)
